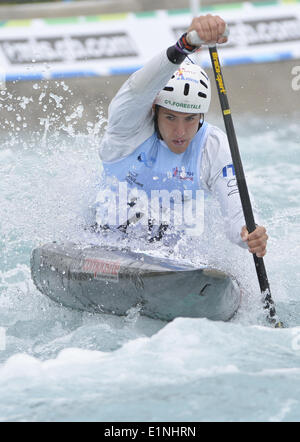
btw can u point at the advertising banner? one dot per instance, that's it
(121, 43)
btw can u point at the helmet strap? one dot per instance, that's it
(201, 121)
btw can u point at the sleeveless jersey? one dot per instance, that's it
(153, 172)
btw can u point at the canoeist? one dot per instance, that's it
(157, 143)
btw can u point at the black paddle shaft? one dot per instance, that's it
(241, 183)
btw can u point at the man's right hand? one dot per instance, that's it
(210, 28)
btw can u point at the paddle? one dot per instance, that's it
(241, 180)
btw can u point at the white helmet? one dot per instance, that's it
(187, 91)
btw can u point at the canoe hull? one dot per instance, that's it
(109, 280)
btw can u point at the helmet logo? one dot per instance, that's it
(180, 74)
(185, 74)
(182, 105)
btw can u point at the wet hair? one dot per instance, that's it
(155, 120)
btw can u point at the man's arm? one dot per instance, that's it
(130, 119)
(219, 177)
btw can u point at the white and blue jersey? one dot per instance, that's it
(136, 161)
(153, 166)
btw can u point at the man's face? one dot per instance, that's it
(177, 128)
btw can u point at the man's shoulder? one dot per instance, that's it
(215, 132)
(216, 145)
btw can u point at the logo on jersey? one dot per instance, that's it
(182, 174)
(228, 171)
(143, 159)
(131, 179)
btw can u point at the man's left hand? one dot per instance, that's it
(257, 240)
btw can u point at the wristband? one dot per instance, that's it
(183, 46)
(177, 53)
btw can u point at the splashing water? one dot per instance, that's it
(57, 364)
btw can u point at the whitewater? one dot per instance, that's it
(58, 364)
